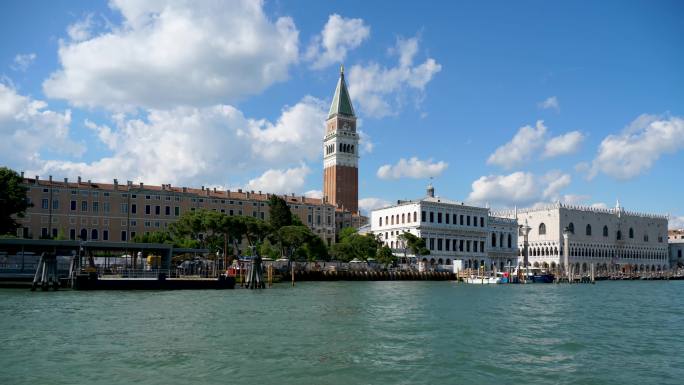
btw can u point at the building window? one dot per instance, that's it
(571, 228)
(124, 208)
(432, 243)
(460, 220)
(148, 210)
(432, 217)
(439, 217)
(84, 205)
(45, 204)
(468, 246)
(167, 210)
(403, 218)
(84, 234)
(619, 235)
(134, 208)
(422, 216)
(72, 234)
(105, 206)
(439, 244)
(631, 233)
(468, 220)
(123, 236)
(605, 231)
(157, 210)
(510, 241)
(482, 246)
(645, 237)
(93, 234)
(392, 219)
(475, 247)
(447, 243)
(96, 206)
(55, 204)
(379, 224)
(493, 240)
(44, 232)
(460, 245)
(446, 218)
(588, 231)
(176, 211)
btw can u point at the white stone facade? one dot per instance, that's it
(452, 231)
(611, 239)
(676, 246)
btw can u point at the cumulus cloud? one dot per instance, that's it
(23, 61)
(366, 205)
(676, 222)
(520, 149)
(339, 36)
(564, 144)
(550, 103)
(29, 129)
(208, 145)
(280, 181)
(638, 147)
(318, 194)
(412, 168)
(169, 53)
(528, 140)
(518, 188)
(380, 91)
(82, 29)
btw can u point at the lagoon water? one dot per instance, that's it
(348, 333)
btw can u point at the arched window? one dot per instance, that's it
(645, 237)
(392, 219)
(605, 231)
(84, 234)
(588, 229)
(542, 229)
(510, 243)
(493, 240)
(403, 218)
(381, 221)
(619, 235)
(631, 233)
(571, 228)
(415, 216)
(93, 234)
(501, 238)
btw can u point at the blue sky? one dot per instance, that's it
(503, 104)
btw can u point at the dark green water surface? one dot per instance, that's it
(348, 333)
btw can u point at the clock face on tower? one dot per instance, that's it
(346, 126)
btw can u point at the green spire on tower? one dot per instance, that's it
(341, 104)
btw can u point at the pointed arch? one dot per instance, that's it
(542, 229)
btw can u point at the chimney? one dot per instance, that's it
(79, 179)
(185, 189)
(37, 178)
(247, 192)
(214, 189)
(292, 194)
(240, 190)
(141, 185)
(116, 182)
(89, 182)
(22, 174)
(202, 188)
(259, 192)
(66, 180)
(50, 178)
(129, 183)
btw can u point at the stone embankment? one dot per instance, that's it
(363, 275)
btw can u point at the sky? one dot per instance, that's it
(498, 103)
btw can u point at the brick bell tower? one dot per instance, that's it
(341, 151)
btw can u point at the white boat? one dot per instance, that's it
(482, 280)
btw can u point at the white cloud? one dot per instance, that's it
(520, 149)
(280, 181)
(676, 222)
(638, 147)
(564, 144)
(412, 168)
(23, 61)
(169, 53)
(318, 194)
(202, 146)
(82, 29)
(379, 91)
(366, 205)
(518, 188)
(528, 140)
(339, 36)
(29, 129)
(550, 103)
(367, 145)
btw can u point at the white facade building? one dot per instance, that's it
(452, 231)
(611, 239)
(675, 241)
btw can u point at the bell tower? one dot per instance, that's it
(341, 151)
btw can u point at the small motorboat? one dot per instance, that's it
(482, 280)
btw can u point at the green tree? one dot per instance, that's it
(279, 214)
(356, 246)
(154, 237)
(385, 256)
(13, 200)
(413, 243)
(346, 233)
(293, 238)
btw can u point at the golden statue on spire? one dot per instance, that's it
(342, 69)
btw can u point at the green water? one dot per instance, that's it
(348, 333)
